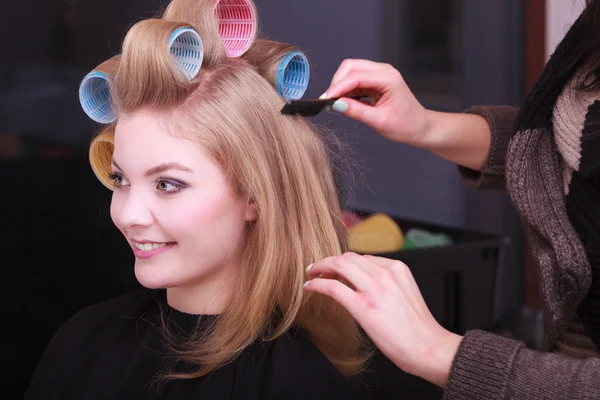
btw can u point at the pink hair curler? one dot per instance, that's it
(237, 25)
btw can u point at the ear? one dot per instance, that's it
(251, 212)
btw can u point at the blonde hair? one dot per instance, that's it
(278, 162)
(266, 54)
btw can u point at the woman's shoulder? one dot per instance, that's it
(79, 338)
(296, 345)
(114, 311)
(296, 368)
(128, 303)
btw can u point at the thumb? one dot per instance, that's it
(361, 111)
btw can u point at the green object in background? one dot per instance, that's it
(419, 239)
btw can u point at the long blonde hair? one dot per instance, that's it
(278, 162)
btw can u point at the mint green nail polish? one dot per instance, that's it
(306, 284)
(340, 106)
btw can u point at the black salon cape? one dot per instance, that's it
(113, 351)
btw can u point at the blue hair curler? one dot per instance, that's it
(185, 45)
(292, 75)
(95, 98)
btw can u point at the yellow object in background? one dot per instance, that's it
(378, 233)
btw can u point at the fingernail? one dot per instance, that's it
(340, 106)
(323, 96)
(305, 284)
(309, 267)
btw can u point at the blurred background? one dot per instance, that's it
(61, 252)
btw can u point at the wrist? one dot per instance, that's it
(430, 137)
(461, 138)
(439, 357)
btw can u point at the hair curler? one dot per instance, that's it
(185, 45)
(292, 75)
(94, 91)
(237, 25)
(100, 156)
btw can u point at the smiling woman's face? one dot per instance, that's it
(178, 212)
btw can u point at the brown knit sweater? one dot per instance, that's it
(536, 168)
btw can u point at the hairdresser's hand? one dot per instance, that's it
(394, 112)
(387, 303)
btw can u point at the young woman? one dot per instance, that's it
(224, 202)
(546, 155)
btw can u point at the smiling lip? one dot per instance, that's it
(145, 249)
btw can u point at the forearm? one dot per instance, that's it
(476, 140)
(492, 367)
(463, 139)
(435, 361)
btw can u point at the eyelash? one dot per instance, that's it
(178, 186)
(114, 178)
(117, 178)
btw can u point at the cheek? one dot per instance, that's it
(211, 220)
(190, 215)
(116, 205)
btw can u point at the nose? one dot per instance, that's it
(131, 208)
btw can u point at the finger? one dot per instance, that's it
(344, 267)
(339, 292)
(401, 273)
(381, 261)
(354, 65)
(368, 82)
(362, 111)
(361, 93)
(349, 66)
(399, 270)
(324, 276)
(373, 269)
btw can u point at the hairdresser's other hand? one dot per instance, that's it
(388, 305)
(394, 111)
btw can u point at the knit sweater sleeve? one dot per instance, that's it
(492, 367)
(501, 120)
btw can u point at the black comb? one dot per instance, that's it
(310, 108)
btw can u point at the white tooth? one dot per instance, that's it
(148, 246)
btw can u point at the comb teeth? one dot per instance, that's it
(293, 75)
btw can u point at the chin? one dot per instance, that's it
(151, 278)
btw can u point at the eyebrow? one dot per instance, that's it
(159, 168)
